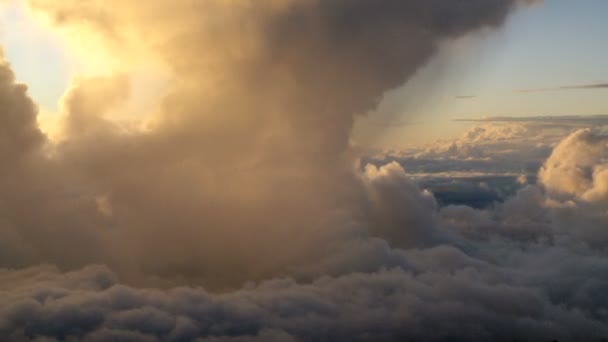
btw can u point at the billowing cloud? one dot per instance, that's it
(469, 303)
(577, 167)
(245, 170)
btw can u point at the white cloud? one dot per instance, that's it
(577, 167)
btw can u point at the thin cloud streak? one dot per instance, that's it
(568, 87)
(549, 118)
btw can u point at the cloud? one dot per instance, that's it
(493, 147)
(396, 304)
(563, 120)
(577, 166)
(239, 211)
(323, 309)
(465, 97)
(568, 87)
(245, 171)
(405, 226)
(565, 206)
(19, 134)
(89, 100)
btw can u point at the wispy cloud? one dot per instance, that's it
(567, 87)
(392, 123)
(548, 118)
(465, 97)
(549, 121)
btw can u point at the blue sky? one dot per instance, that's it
(557, 43)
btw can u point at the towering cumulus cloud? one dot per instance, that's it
(243, 182)
(246, 167)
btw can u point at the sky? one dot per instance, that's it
(303, 170)
(38, 56)
(552, 44)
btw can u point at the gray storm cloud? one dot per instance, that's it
(244, 182)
